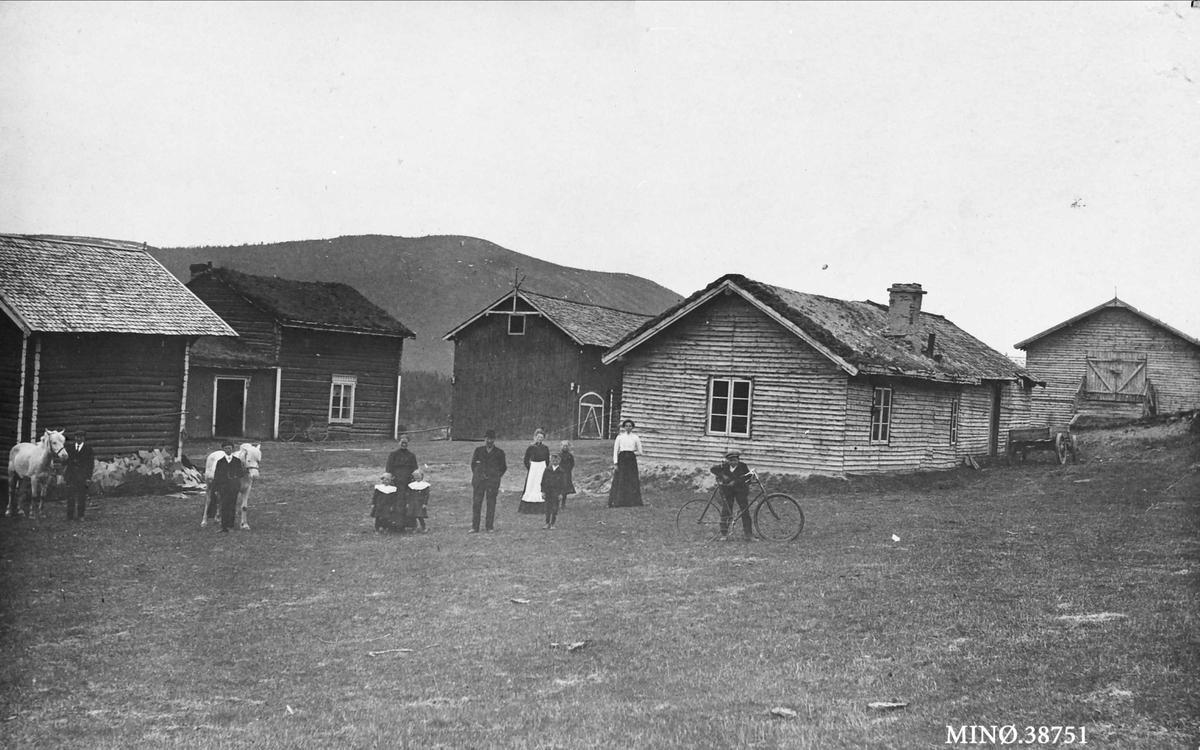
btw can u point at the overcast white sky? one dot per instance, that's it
(1019, 160)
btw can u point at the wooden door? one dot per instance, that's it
(229, 407)
(1115, 376)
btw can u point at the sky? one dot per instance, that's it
(1024, 162)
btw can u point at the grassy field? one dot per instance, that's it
(1031, 595)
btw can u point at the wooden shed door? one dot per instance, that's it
(1115, 376)
(229, 409)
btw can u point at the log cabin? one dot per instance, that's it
(96, 335)
(529, 361)
(806, 384)
(1114, 362)
(307, 352)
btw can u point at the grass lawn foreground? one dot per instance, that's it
(1030, 595)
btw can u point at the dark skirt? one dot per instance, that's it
(388, 509)
(626, 487)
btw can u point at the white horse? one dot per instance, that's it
(250, 454)
(33, 463)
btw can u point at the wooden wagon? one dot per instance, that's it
(1059, 440)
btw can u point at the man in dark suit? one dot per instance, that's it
(227, 482)
(81, 463)
(487, 466)
(733, 476)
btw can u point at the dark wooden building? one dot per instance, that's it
(809, 384)
(95, 335)
(306, 351)
(1112, 361)
(528, 361)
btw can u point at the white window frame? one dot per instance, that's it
(730, 400)
(882, 405)
(955, 412)
(511, 318)
(342, 381)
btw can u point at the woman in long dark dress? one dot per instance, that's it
(626, 487)
(537, 455)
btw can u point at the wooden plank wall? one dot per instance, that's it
(516, 384)
(1172, 366)
(124, 389)
(799, 396)
(10, 389)
(257, 330)
(310, 359)
(260, 402)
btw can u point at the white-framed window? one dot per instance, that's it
(516, 325)
(954, 407)
(341, 399)
(729, 406)
(881, 415)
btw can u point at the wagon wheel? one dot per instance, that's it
(1062, 446)
(318, 432)
(287, 430)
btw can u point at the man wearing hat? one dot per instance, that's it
(226, 482)
(734, 478)
(487, 466)
(79, 467)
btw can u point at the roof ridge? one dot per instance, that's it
(67, 239)
(585, 304)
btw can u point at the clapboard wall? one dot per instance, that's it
(1060, 358)
(807, 414)
(515, 384)
(309, 360)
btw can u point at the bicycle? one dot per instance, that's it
(312, 429)
(776, 517)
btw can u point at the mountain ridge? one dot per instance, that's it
(431, 284)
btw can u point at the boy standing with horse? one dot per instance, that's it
(227, 482)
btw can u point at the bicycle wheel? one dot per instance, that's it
(288, 431)
(778, 518)
(699, 521)
(318, 432)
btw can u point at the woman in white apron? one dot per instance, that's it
(536, 456)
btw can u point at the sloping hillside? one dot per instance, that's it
(430, 283)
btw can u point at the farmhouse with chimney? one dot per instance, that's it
(809, 384)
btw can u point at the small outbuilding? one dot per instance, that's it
(809, 384)
(1112, 361)
(95, 335)
(529, 360)
(308, 352)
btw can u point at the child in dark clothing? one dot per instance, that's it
(553, 488)
(734, 478)
(567, 459)
(418, 498)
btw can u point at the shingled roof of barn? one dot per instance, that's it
(855, 333)
(586, 325)
(321, 305)
(60, 284)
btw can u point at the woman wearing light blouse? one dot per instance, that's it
(626, 487)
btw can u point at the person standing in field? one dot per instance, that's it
(553, 488)
(626, 489)
(537, 455)
(733, 476)
(418, 499)
(401, 464)
(227, 482)
(487, 466)
(81, 463)
(567, 461)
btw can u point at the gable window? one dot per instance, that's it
(516, 325)
(341, 399)
(881, 415)
(729, 406)
(954, 421)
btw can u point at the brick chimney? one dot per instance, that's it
(904, 316)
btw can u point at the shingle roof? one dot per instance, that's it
(87, 285)
(1114, 302)
(323, 305)
(587, 325)
(852, 333)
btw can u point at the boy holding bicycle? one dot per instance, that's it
(733, 476)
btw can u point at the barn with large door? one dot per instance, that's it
(95, 335)
(1113, 361)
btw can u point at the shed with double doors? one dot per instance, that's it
(95, 335)
(1112, 361)
(529, 361)
(809, 384)
(308, 352)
